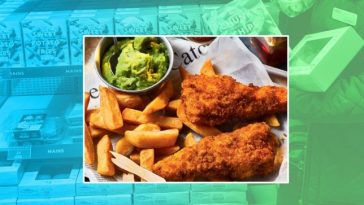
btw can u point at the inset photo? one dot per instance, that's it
(185, 109)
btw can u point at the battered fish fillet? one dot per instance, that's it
(246, 153)
(215, 100)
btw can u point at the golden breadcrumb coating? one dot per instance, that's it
(214, 100)
(246, 153)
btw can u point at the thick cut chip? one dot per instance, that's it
(105, 166)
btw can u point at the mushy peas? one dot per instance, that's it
(143, 61)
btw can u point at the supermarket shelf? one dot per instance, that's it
(65, 71)
(55, 5)
(46, 151)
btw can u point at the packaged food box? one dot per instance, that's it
(87, 22)
(241, 18)
(29, 126)
(180, 20)
(294, 8)
(10, 172)
(133, 21)
(45, 36)
(37, 128)
(174, 198)
(218, 197)
(74, 115)
(75, 131)
(318, 59)
(11, 41)
(91, 189)
(49, 180)
(207, 8)
(218, 187)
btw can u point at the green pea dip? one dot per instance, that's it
(143, 61)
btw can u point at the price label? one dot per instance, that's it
(16, 153)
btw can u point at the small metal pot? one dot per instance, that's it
(106, 42)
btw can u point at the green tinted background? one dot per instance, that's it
(326, 97)
(326, 126)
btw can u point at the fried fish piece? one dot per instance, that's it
(215, 100)
(246, 153)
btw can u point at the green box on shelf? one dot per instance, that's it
(89, 189)
(161, 188)
(45, 38)
(87, 22)
(49, 180)
(207, 8)
(133, 21)
(241, 18)
(218, 197)
(219, 187)
(11, 46)
(184, 19)
(173, 198)
(318, 59)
